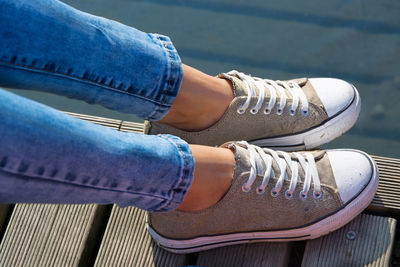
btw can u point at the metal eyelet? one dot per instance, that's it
(253, 111)
(245, 188)
(260, 191)
(279, 111)
(303, 195)
(292, 112)
(317, 195)
(305, 112)
(240, 110)
(288, 195)
(274, 193)
(267, 111)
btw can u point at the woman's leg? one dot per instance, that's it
(52, 157)
(50, 46)
(47, 45)
(49, 157)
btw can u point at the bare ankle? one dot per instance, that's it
(212, 178)
(202, 100)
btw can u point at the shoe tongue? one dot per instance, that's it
(243, 159)
(241, 155)
(239, 88)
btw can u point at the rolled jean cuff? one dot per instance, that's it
(186, 173)
(171, 79)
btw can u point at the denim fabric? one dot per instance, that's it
(50, 46)
(49, 157)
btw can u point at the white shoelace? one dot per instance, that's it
(258, 156)
(273, 87)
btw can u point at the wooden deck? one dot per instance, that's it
(98, 235)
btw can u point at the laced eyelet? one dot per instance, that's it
(274, 193)
(240, 110)
(253, 111)
(303, 195)
(305, 112)
(279, 111)
(292, 111)
(260, 191)
(267, 111)
(288, 195)
(317, 195)
(245, 188)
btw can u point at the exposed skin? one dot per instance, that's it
(201, 101)
(212, 177)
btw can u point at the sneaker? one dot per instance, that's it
(288, 115)
(275, 196)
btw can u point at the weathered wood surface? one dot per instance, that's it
(366, 241)
(71, 235)
(48, 235)
(127, 243)
(110, 123)
(387, 198)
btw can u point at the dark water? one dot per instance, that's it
(358, 41)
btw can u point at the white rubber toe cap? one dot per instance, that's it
(352, 170)
(335, 94)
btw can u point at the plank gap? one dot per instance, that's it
(296, 253)
(191, 259)
(95, 236)
(6, 211)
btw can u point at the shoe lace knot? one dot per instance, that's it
(261, 160)
(283, 89)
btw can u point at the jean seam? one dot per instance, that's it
(182, 179)
(164, 46)
(79, 79)
(87, 186)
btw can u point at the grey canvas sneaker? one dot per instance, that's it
(287, 115)
(274, 196)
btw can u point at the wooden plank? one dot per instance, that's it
(256, 254)
(387, 198)
(48, 235)
(126, 242)
(127, 126)
(366, 241)
(111, 123)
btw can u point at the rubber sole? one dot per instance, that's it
(322, 227)
(322, 134)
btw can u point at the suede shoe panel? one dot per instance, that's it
(248, 126)
(240, 211)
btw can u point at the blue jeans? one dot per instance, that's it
(49, 157)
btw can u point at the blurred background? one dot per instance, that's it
(355, 40)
